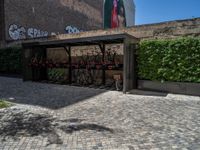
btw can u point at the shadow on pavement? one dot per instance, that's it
(23, 123)
(77, 127)
(45, 95)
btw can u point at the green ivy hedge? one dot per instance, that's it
(170, 60)
(10, 60)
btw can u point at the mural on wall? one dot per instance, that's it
(17, 32)
(119, 13)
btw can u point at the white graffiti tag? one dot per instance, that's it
(16, 32)
(33, 33)
(71, 29)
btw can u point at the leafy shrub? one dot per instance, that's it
(10, 60)
(170, 60)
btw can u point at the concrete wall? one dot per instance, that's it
(170, 87)
(37, 18)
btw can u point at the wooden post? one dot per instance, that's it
(129, 70)
(70, 66)
(133, 66)
(26, 59)
(125, 61)
(102, 48)
(68, 50)
(39, 73)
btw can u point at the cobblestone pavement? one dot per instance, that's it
(55, 117)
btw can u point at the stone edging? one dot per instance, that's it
(172, 87)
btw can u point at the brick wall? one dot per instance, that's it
(35, 18)
(171, 29)
(2, 32)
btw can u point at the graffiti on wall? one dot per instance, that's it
(17, 32)
(71, 29)
(32, 33)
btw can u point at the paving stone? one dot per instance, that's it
(47, 116)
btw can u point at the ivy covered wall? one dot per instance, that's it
(170, 60)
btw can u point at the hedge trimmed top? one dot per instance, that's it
(170, 60)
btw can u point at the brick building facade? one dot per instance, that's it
(22, 19)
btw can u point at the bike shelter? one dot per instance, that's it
(81, 66)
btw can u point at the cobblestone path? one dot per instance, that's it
(56, 117)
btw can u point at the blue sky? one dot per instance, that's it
(153, 11)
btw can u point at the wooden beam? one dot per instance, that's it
(70, 66)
